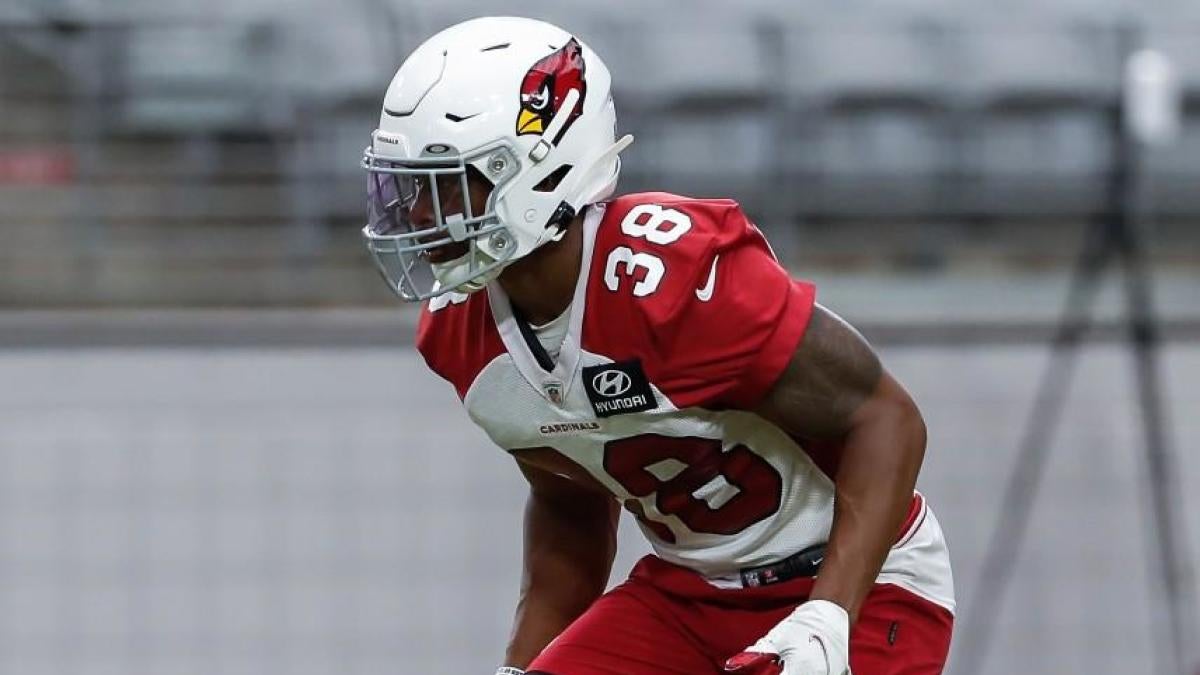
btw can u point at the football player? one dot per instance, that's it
(648, 352)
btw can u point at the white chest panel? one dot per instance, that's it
(706, 525)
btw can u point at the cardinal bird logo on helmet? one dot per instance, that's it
(545, 87)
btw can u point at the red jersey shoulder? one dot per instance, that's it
(691, 288)
(457, 337)
(663, 246)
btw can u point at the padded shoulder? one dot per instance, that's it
(691, 288)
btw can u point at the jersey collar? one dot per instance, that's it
(555, 383)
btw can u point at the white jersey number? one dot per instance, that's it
(440, 302)
(646, 221)
(656, 225)
(626, 257)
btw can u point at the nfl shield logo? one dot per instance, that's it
(553, 392)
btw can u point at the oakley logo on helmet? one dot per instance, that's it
(545, 87)
(611, 383)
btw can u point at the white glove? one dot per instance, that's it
(509, 670)
(813, 640)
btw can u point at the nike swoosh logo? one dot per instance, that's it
(705, 292)
(824, 650)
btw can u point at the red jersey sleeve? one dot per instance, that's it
(457, 338)
(726, 317)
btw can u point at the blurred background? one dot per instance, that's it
(220, 454)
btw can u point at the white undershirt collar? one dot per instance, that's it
(552, 333)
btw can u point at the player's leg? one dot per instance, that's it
(900, 633)
(620, 634)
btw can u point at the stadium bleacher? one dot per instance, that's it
(254, 113)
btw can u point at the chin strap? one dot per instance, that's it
(561, 218)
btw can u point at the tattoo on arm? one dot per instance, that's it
(831, 374)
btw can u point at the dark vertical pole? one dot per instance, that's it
(1020, 492)
(779, 203)
(1116, 231)
(1162, 495)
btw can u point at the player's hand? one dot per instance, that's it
(813, 640)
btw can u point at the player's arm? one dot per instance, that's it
(570, 541)
(835, 392)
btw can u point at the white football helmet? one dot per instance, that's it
(523, 102)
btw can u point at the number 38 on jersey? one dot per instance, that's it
(644, 271)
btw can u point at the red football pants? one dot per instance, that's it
(666, 619)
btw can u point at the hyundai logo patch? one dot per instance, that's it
(618, 388)
(611, 383)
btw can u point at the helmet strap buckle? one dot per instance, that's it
(543, 147)
(539, 151)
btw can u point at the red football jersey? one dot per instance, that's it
(681, 322)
